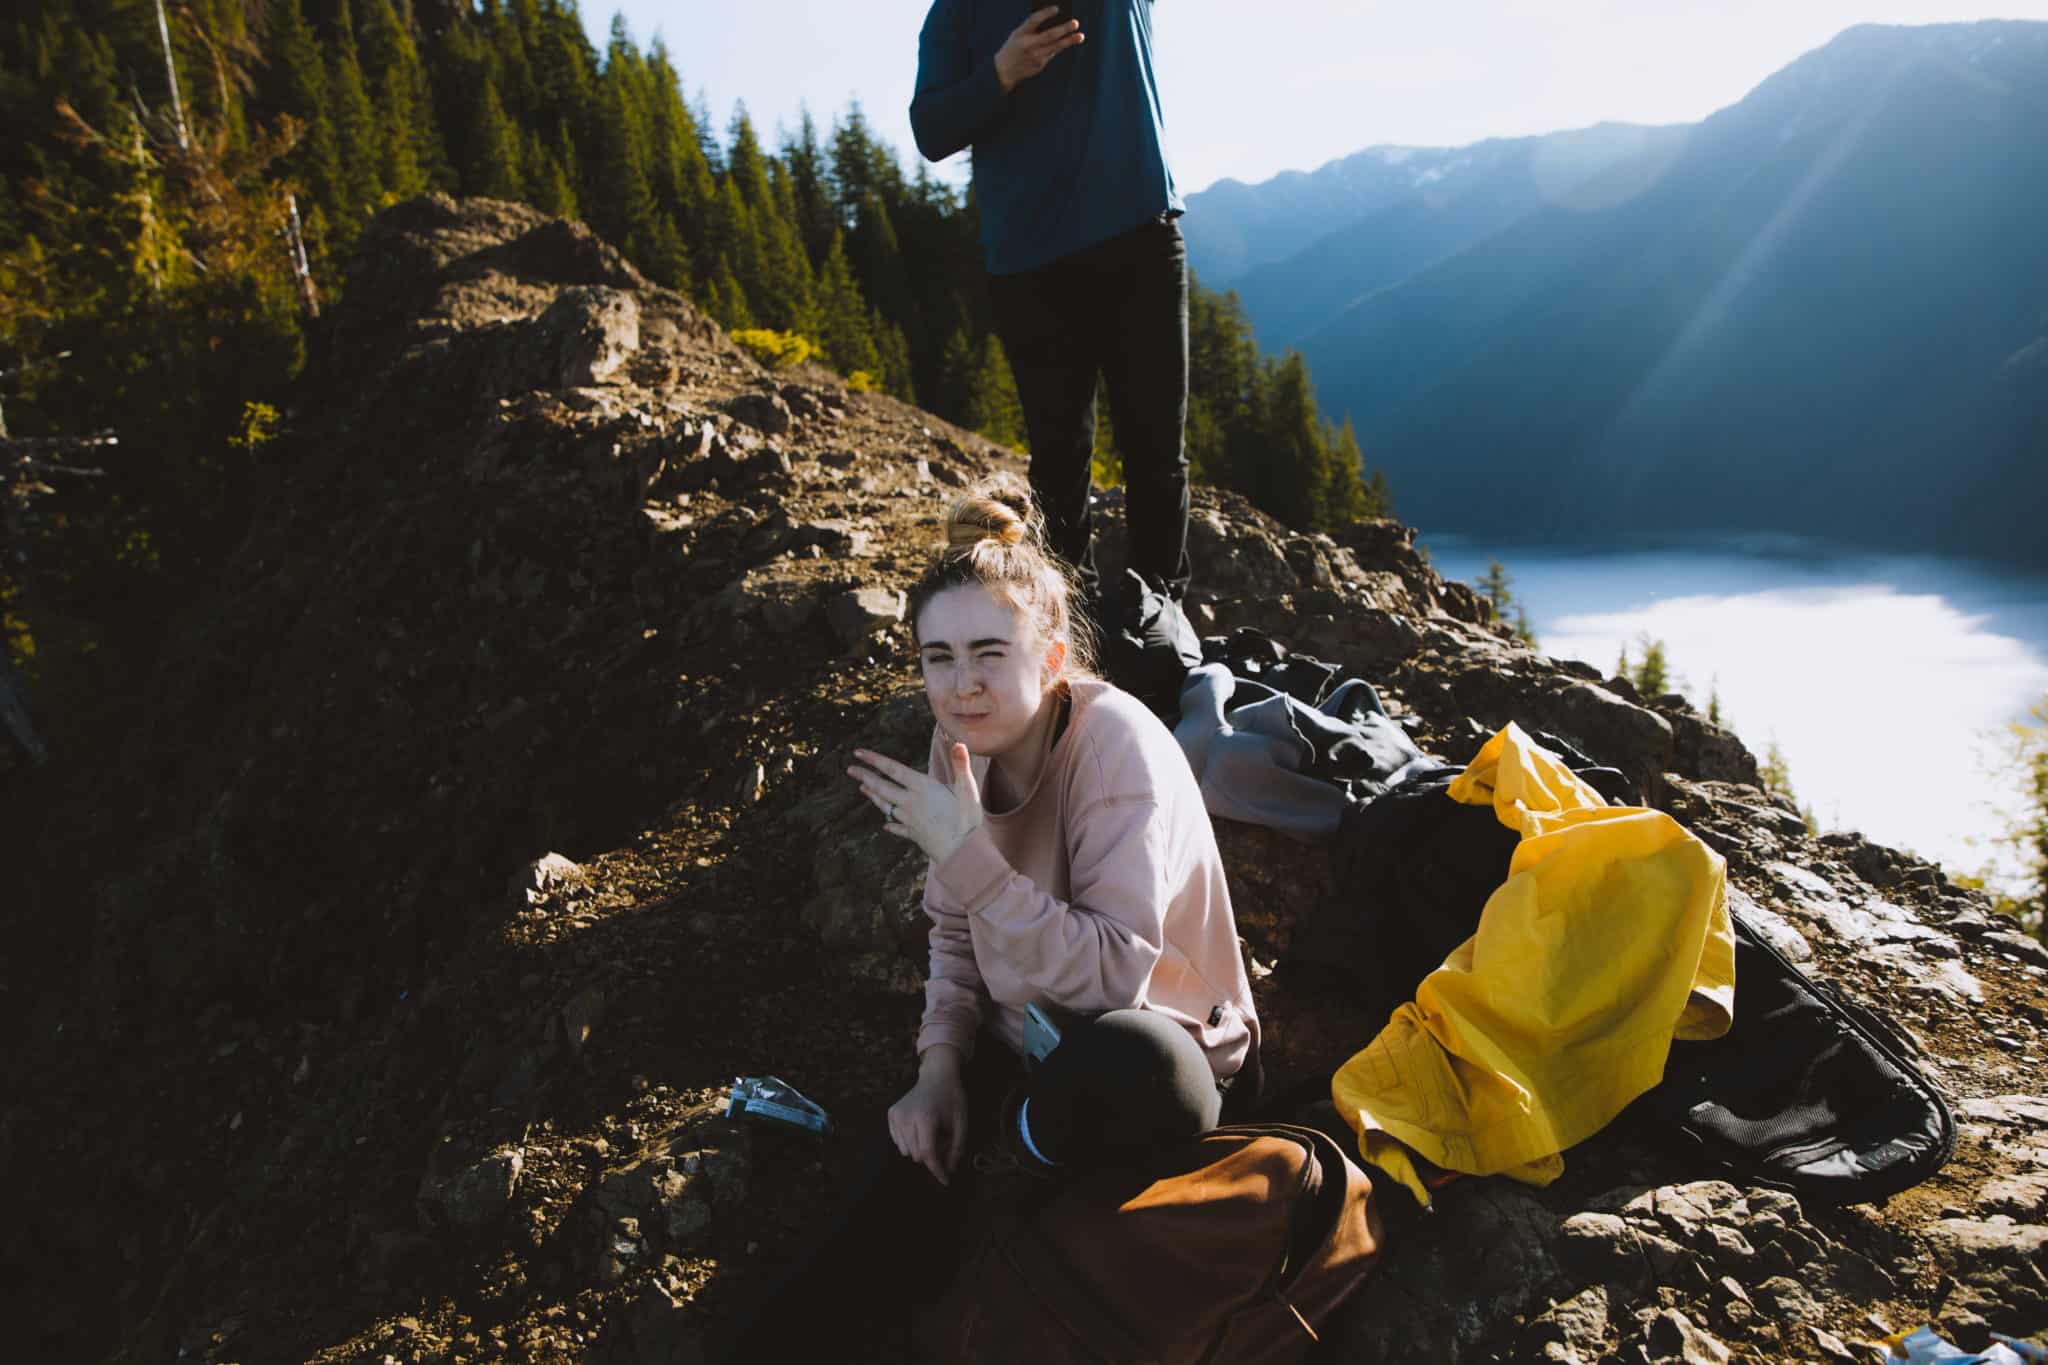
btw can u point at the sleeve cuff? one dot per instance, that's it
(974, 874)
(937, 1031)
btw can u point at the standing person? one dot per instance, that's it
(1087, 271)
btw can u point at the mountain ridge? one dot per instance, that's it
(1799, 325)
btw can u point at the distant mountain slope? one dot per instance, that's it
(1232, 227)
(1816, 321)
(1456, 201)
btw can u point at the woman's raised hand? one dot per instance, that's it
(935, 816)
(1031, 48)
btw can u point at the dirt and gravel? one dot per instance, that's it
(380, 1006)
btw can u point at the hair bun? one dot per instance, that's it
(1000, 510)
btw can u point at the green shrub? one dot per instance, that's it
(776, 350)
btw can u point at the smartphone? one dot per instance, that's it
(1041, 1035)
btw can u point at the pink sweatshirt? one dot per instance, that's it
(1101, 889)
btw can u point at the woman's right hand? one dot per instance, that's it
(929, 1124)
(1030, 49)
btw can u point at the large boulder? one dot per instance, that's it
(586, 336)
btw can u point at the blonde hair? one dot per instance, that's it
(995, 537)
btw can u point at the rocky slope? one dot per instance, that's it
(494, 820)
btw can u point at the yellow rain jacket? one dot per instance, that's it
(1609, 938)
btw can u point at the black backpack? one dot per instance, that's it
(1808, 1091)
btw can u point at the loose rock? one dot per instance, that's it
(765, 413)
(474, 1198)
(1671, 1336)
(860, 613)
(591, 333)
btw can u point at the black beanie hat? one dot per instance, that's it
(1118, 1086)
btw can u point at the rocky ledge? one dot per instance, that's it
(494, 821)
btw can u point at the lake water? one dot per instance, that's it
(1886, 680)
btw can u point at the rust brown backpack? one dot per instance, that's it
(1230, 1249)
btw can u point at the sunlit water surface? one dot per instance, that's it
(1887, 680)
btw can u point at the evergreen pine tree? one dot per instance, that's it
(1246, 437)
(677, 171)
(201, 37)
(298, 85)
(817, 220)
(551, 184)
(959, 397)
(1653, 674)
(2026, 825)
(622, 206)
(495, 153)
(1291, 485)
(892, 350)
(844, 327)
(771, 265)
(1222, 362)
(738, 241)
(1001, 414)
(2034, 833)
(356, 131)
(1379, 497)
(861, 166)
(726, 301)
(508, 31)
(565, 76)
(746, 165)
(1776, 772)
(1345, 499)
(794, 281)
(409, 152)
(878, 260)
(707, 140)
(1496, 586)
(667, 261)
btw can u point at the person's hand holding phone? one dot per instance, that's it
(1034, 43)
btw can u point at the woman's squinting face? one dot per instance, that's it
(985, 668)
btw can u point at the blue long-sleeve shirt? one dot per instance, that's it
(1073, 156)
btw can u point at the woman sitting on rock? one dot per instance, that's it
(1072, 861)
(1073, 866)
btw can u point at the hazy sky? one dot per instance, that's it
(1253, 89)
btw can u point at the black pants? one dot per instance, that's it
(892, 1244)
(1119, 310)
(895, 1242)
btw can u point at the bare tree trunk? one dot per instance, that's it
(301, 269)
(14, 711)
(163, 28)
